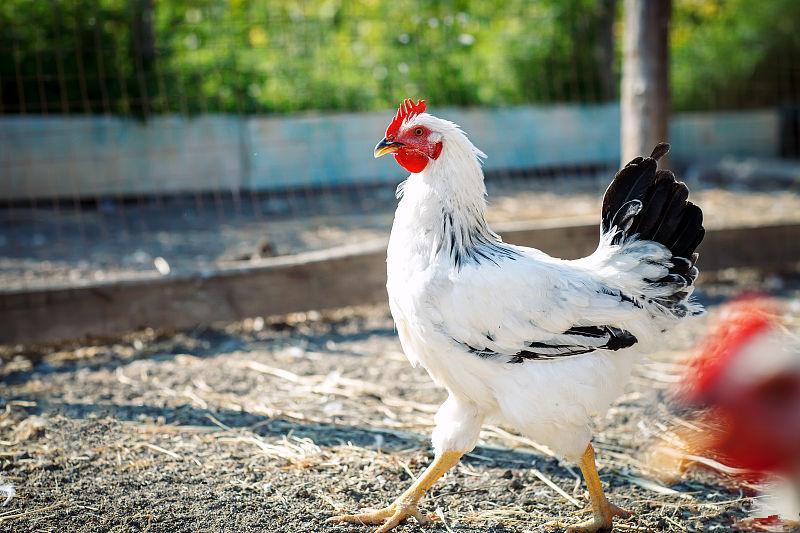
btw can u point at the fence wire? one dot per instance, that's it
(156, 138)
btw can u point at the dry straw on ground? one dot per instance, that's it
(277, 424)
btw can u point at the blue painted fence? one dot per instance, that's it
(43, 157)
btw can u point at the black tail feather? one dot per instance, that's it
(651, 204)
(660, 151)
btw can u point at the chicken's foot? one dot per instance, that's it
(603, 511)
(406, 505)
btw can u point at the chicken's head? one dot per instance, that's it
(747, 374)
(413, 143)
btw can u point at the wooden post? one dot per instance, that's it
(645, 77)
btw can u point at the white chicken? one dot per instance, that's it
(514, 335)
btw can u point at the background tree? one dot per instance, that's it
(259, 56)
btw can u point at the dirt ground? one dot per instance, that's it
(277, 424)
(59, 244)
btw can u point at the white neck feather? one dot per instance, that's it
(443, 207)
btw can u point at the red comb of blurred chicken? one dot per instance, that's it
(742, 322)
(747, 373)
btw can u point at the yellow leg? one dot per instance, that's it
(603, 511)
(405, 505)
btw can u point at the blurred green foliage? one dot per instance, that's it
(735, 53)
(258, 56)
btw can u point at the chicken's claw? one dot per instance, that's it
(601, 522)
(389, 517)
(406, 505)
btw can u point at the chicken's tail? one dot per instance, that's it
(649, 234)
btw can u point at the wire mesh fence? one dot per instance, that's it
(148, 137)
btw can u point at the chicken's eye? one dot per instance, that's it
(418, 132)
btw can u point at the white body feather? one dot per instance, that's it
(506, 298)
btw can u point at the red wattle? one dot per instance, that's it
(411, 160)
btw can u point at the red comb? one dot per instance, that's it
(408, 109)
(746, 318)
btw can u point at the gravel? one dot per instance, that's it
(276, 424)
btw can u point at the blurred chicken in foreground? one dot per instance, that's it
(745, 380)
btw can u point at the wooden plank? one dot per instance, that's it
(319, 280)
(326, 279)
(767, 247)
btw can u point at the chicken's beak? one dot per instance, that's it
(386, 147)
